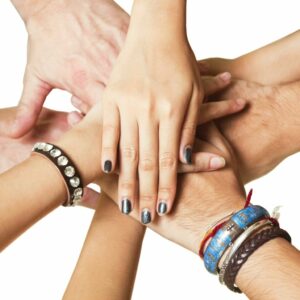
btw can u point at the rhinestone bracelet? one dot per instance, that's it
(67, 169)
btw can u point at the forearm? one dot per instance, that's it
(272, 272)
(276, 63)
(289, 101)
(27, 192)
(168, 15)
(34, 188)
(108, 262)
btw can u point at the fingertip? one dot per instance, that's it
(225, 77)
(74, 118)
(241, 103)
(217, 163)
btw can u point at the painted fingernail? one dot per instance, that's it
(126, 206)
(146, 216)
(188, 155)
(226, 76)
(162, 208)
(217, 163)
(107, 166)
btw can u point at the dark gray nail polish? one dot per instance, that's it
(146, 216)
(107, 166)
(126, 206)
(162, 208)
(188, 155)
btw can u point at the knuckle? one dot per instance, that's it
(167, 160)
(189, 129)
(129, 153)
(108, 149)
(165, 191)
(109, 129)
(147, 164)
(147, 198)
(168, 108)
(127, 185)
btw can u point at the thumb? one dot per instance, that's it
(33, 97)
(90, 198)
(214, 66)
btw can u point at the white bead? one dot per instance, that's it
(62, 161)
(74, 182)
(69, 171)
(55, 153)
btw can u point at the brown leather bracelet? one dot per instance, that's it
(246, 250)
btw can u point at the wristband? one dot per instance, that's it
(239, 241)
(246, 250)
(229, 232)
(67, 169)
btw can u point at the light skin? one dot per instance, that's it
(206, 197)
(276, 63)
(88, 130)
(151, 112)
(76, 69)
(95, 32)
(184, 226)
(108, 261)
(27, 210)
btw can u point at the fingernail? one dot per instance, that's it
(146, 216)
(162, 208)
(226, 76)
(217, 163)
(107, 166)
(126, 206)
(188, 155)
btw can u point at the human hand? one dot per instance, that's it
(151, 113)
(71, 46)
(201, 199)
(265, 133)
(91, 127)
(50, 126)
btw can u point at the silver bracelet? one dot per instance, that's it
(239, 241)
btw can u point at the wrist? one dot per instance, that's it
(201, 224)
(87, 156)
(167, 15)
(266, 269)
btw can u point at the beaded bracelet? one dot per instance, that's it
(67, 169)
(229, 232)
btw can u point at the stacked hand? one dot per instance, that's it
(71, 46)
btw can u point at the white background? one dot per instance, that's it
(39, 264)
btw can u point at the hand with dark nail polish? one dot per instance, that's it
(126, 206)
(107, 166)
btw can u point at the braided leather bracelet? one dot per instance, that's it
(246, 250)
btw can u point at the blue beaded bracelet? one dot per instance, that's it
(229, 232)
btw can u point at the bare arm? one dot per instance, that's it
(272, 272)
(108, 262)
(276, 63)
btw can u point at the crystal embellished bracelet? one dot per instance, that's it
(67, 169)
